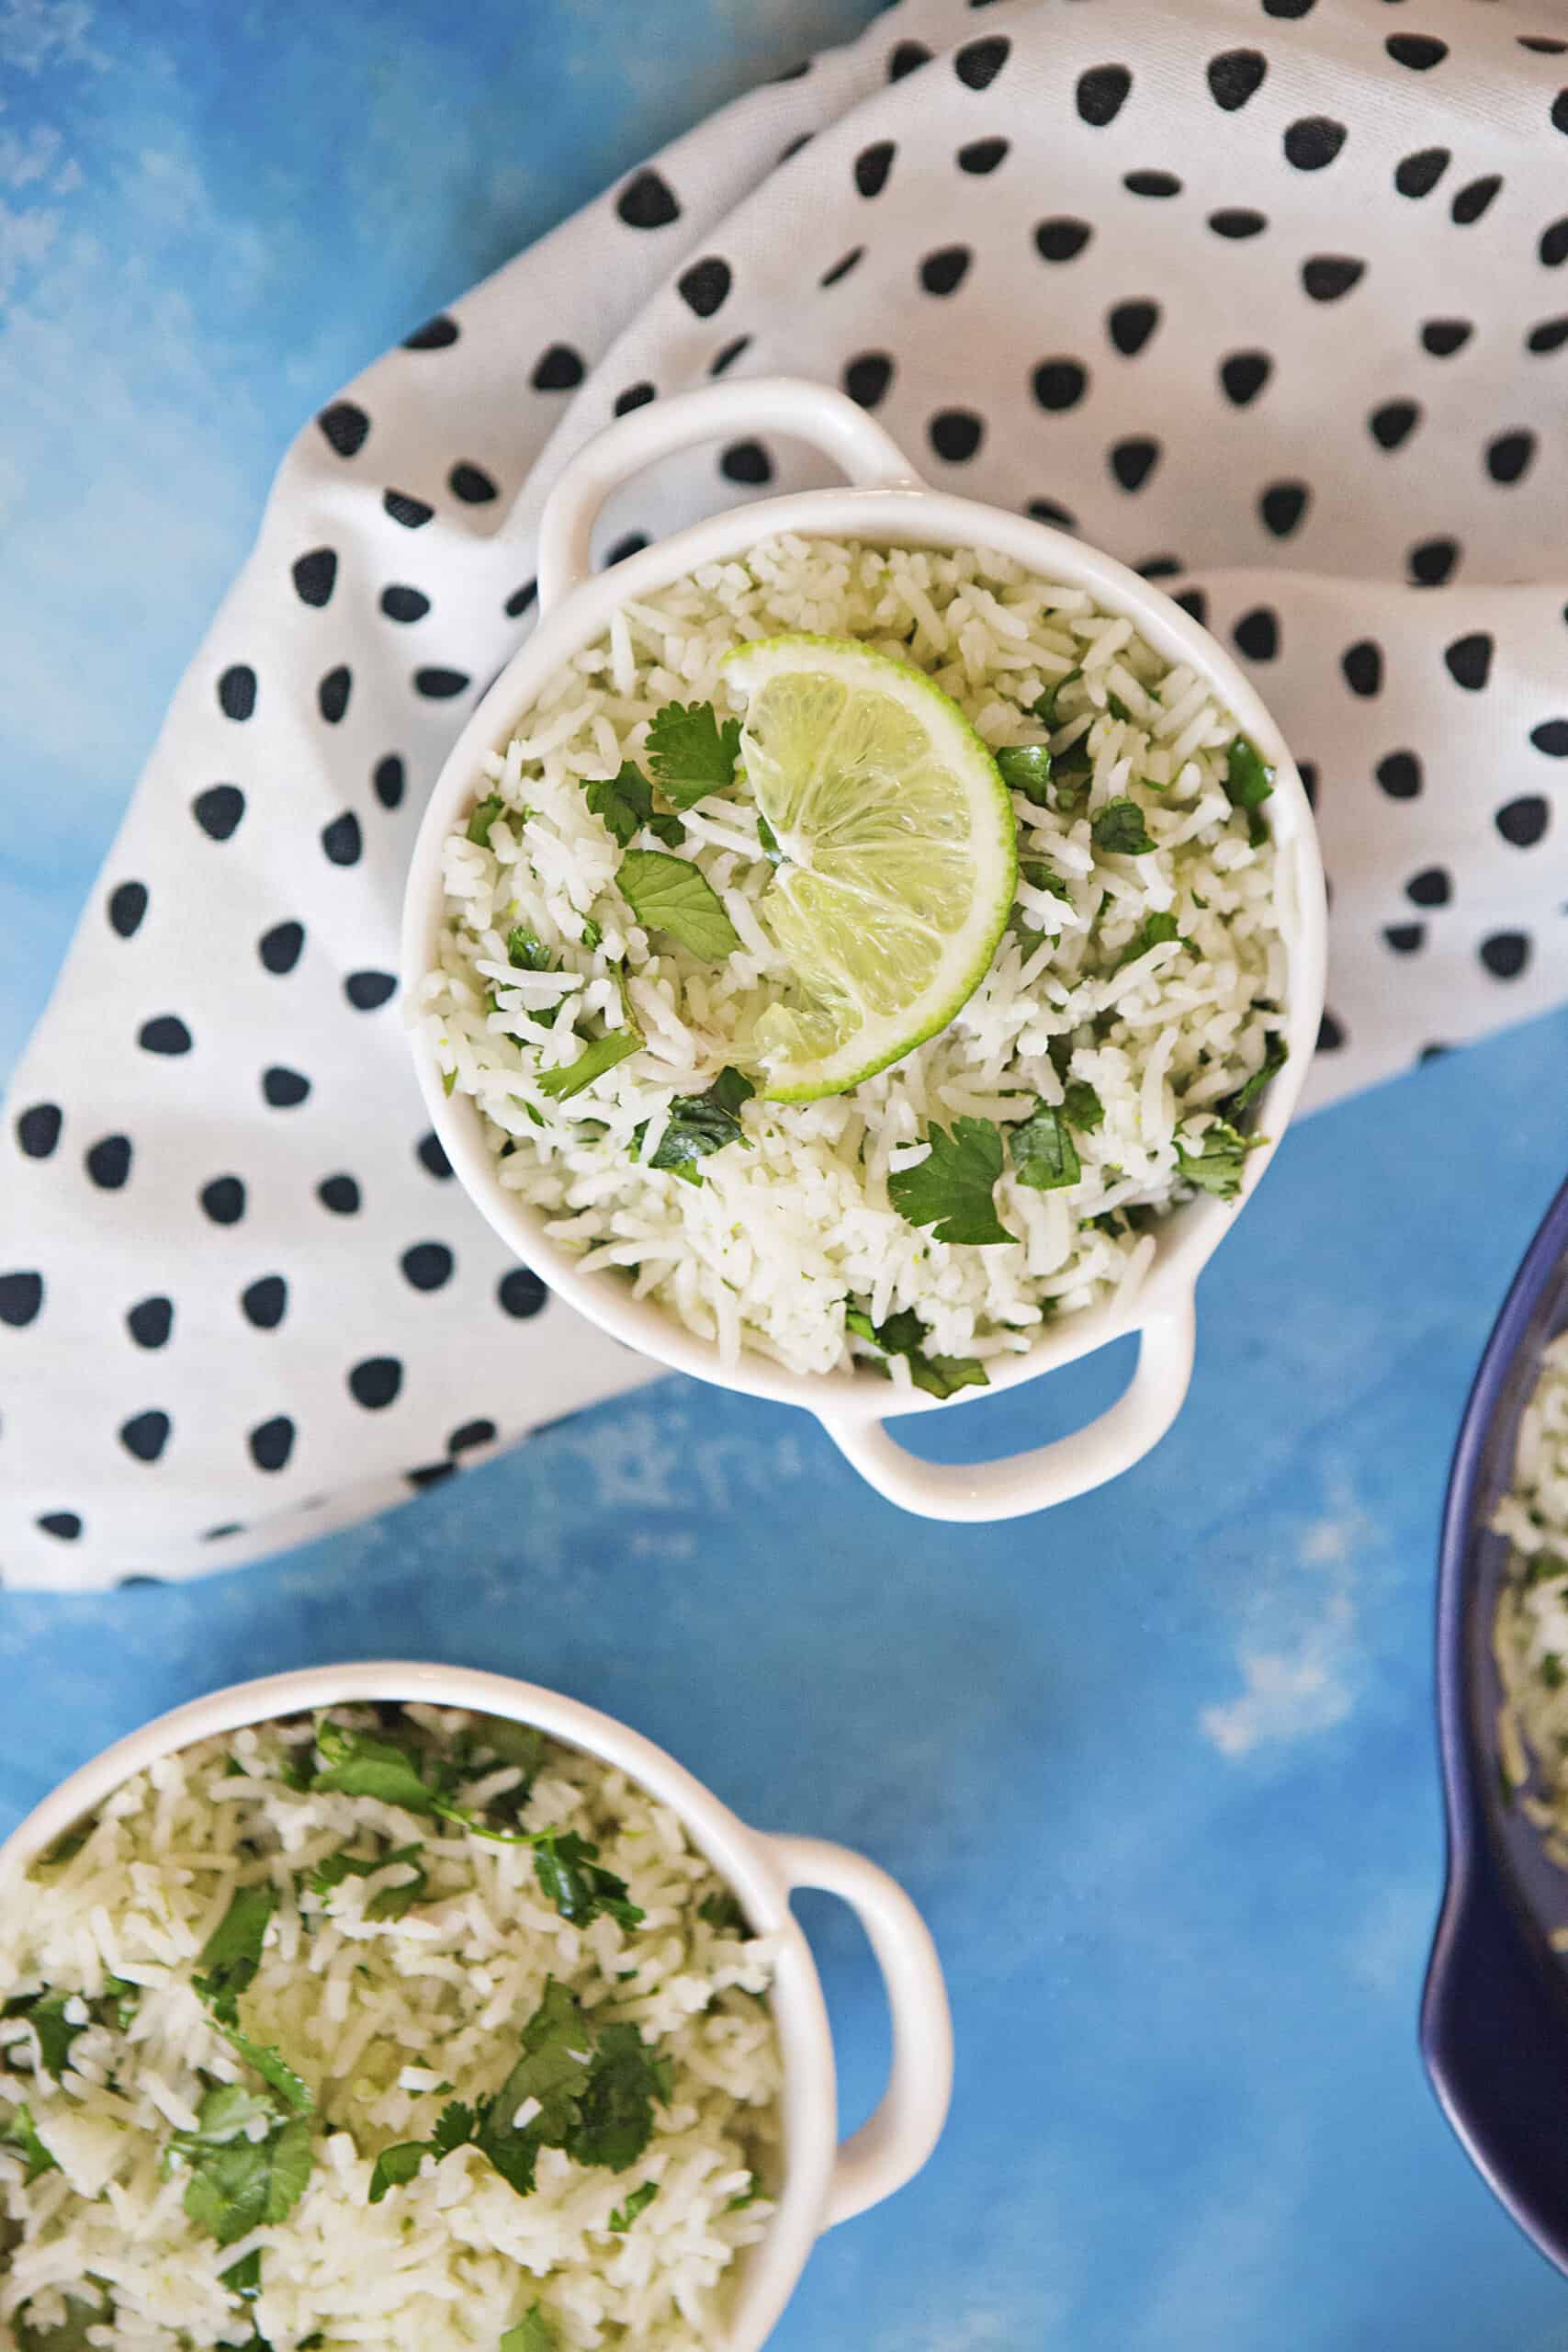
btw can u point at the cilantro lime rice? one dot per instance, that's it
(609, 956)
(406, 2028)
(1530, 1635)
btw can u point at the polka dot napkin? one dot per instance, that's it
(1269, 296)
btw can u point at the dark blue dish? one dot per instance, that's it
(1494, 2013)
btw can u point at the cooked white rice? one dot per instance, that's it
(768, 1251)
(385, 2020)
(1530, 1635)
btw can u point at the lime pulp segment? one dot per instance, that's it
(899, 856)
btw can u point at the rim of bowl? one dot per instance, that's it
(886, 517)
(766, 2273)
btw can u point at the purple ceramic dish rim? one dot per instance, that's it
(1493, 2026)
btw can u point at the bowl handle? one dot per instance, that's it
(893, 2143)
(984, 1491)
(828, 420)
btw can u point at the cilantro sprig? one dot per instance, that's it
(701, 1123)
(1044, 1156)
(566, 1865)
(952, 1188)
(1118, 829)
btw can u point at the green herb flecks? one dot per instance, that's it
(243, 2278)
(768, 841)
(701, 1123)
(1118, 829)
(572, 1877)
(1157, 931)
(533, 2332)
(590, 2092)
(1026, 768)
(950, 1190)
(691, 754)
(1044, 705)
(1044, 1156)
(566, 1865)
(45, 2012)
(483, 818)
(722, 1912)
(1551, 1672)
(1083, 1106)
(237, 2184)
(1249, 781)
(672, 894)
(231, 1955)
(1215, 1159)
(625, 804)
(392, 1902)
(525, 952)
(638, 2203)
(19, 2137)
(71, 2334)
(748, 2196)
(603, 1053)
(1275, 1056)
(901, 1335)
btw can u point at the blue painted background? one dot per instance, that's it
(1159, 1767)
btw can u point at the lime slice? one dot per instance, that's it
(897, 856)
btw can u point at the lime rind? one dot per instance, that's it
(899, 850)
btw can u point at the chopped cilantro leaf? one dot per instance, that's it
(237, 2185)
(396, 2166)
(1215, 1161)
(1044, 1156)
(722, 1912)
(1276, 1054)
(1157, 930)
(616, 2108)
(690, 753)
(483, 818)
(19, 2137)
(533, 2332)
(748, 2196)
(625, 802)
(525, 952)
(70, 2334)
(952, 1188)
(393, 1900)
(243, 2278)
(273, 2069)
(593, 938)
(901, 1335)
(1044, 705)
(1250, 782)
(1026, 768)
(1069, 785)
(591, 1063)
(1041, 877)
(572, 1877)
(700, 1124)
(357, 1764)
(1118, 829)
(672, 894)
(1083, 1106)
(768, 841)
(638, 2203)
(231, 1955)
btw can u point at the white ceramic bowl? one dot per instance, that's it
(825, 2181)
(886, 505)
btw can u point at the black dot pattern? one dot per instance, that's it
(1295, 347)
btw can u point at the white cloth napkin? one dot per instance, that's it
(1271, 301)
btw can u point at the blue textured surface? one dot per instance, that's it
(1159, 1768)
